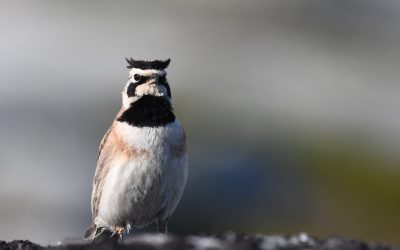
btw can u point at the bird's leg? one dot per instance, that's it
(162, 226)
(121, 237)
(120, 232)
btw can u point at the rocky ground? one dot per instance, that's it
(221, 241)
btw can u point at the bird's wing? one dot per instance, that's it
(104, 140)
(105, 149)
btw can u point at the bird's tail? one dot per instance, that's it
(90, 233)
(100, 235)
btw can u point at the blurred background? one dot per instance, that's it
(291, 110)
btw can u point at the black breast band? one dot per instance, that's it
(148, 111)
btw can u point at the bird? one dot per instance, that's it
(142, 165)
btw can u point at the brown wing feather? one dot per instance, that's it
(104, 140)
(107, 147)
(111, 145)
(105, 150)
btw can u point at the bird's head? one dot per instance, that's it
(146, 78)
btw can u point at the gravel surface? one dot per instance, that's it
(220, 241)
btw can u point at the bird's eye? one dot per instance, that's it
(136, 77)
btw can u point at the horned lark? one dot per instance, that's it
(142, 166)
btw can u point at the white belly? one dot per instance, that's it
(147, 187)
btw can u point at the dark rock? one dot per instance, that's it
(211, 242)
(19, 245)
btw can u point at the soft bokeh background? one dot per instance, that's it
(291, 108)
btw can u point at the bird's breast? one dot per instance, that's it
(151, 138)
(137, 186)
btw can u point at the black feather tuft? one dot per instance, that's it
(143, 64)
(148, 111)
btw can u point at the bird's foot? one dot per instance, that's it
(120, 232)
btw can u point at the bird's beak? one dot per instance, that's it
(156, 77)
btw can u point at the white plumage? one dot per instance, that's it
(143, 163)
(136, 189)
